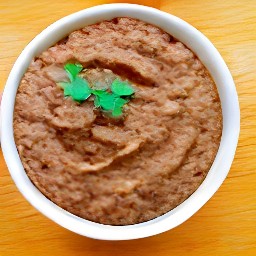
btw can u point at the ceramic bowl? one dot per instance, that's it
(206, 52)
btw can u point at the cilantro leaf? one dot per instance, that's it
(98, 94)
(121, 88)
(111, 101)
(73, 70)
(106, 101)
(118, 106)
(117, 111)
(78, 89)
(65, 87)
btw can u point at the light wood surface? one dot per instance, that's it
(226, 225)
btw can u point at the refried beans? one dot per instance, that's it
(127, 170)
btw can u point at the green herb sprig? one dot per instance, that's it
(111, 101)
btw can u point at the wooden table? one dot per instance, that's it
(226, 225)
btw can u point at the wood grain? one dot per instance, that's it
(226, 225)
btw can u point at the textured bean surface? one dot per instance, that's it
(123, 171)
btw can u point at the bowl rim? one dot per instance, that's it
(216, 66)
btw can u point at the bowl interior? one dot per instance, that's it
(210, 57)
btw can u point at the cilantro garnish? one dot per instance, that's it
(73, 70)
(77, 88)
(121, 88)
(111, 101)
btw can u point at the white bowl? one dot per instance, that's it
(210, 57)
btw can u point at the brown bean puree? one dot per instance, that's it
(126, 170)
